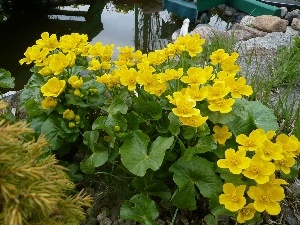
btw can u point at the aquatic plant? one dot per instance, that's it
(175, 123)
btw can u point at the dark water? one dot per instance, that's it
(141, 24)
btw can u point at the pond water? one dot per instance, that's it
(139, 23)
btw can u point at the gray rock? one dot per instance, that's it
(296, 24)
(284, 11)
(244, 33)
(291, 15)
(247, 20)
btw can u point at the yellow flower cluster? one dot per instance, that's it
(259, 156)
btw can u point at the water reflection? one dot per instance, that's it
(141, 24)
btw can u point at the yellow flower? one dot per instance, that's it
(269, 150)
(286, 163)
(185, 105)
(48, 42)
(229, 67)
(251, 143)
(221, 134)
(246, 213)
(266, 198)
(34, 53)
(94, 64)
(275, 181)
(69, 114)
(45, 71)
(193, 121)
(77, 93)
(234, 161)
(158, 88)
(233, 197)
(71, 57)
(289, 144)
(196, 93)
(49, 103)
(75, 81)
(218, 56)
(58, 62)
(217, 91)
(72, 125)
(197, 75)
(53, 87)
(259, 170)
(128, 78)
(238, 87)
(222, 105)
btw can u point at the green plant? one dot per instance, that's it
(174, 122)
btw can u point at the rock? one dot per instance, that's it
(207, 32)
(243, 33)
(284, 11)
(296, 24)
(247, 20)
(269, 23)
(291, 15)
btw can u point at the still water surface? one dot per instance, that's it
(141, 24)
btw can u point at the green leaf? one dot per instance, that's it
(33, 108)
(261, 115)
(6, 81)
(90, 139)
(136, 156)
(99, 123)
(116, 120)
(188, 173)
(189, 132)
(147, 109)
(118, 105)
(74, 100)
(163, 124)
(204, 144)
(210, 220)
(141, 209)
(132, 121)
(152, 186)
(53, 133)
(97, 159)
(174, 124)
(241, 126)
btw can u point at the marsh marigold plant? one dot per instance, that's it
(181, 125)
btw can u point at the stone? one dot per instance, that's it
(207, 32)
(269, 23)
(291, 15)
(296, 24)
(284, 11)
(243, 33)
(247, 20)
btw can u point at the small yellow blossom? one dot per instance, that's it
(197, 75)
(253, 141)
(221, 105)
(234, 161)
(72, 125)
(77, 93)
(193, 121)
(259, 170)
(286, 163)
(49, 103)
(289, 144)
(238, 87)
(269, 150)
(128, 77)
(75, 81)
(233, 197)
(69, 114)
(218, 56)
(47, 41)
(266, 198)
(217, 91)
(196, 93)
(221, 134)
(45, 71)
(94, 64)
(246, 213)
(53, 87)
